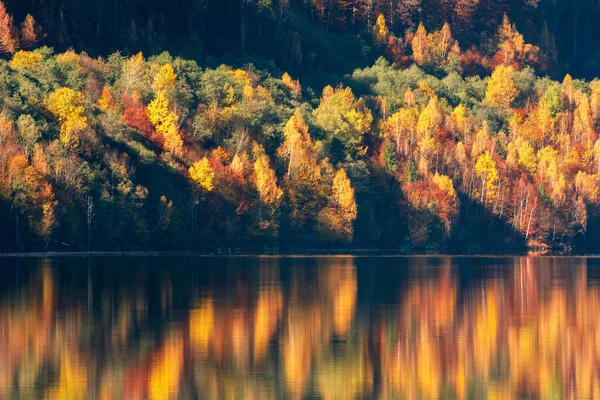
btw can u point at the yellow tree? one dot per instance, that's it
(337, 220)
(297, 147)
(266, 181)
(107, 100)
(343, 194)
(266, 184)
(380, 31)
(202, 174)
(164, 122)
(583, 126)
(486, 170)
(68, 106)
(440, 45)
(445, 184)
(429, 121)
(420, 46)
(526, 156)
(400, 128)
(165, 78)
(567, 91)
(26, 60)
(501, 90)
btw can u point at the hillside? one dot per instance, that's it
(432, 148)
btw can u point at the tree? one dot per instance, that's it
(501, 90)
(266, 184)
(400, 128)
(29, 133)
(380, 31)
(26, 60)
(165, 78)
(31, 32)
(266, 180)
(344, 118)
(343, 195)
(527, 156)
(164, 122)
(202, 174)
(389, 156)
(337, 220)
(420, 46)
(486, 170)
(8, 34)
(297, 148)
(107, 100)
(68, 106)
(445, 184)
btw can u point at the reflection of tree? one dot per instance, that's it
(165, 372)
(531, 330)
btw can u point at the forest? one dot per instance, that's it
(371, 125)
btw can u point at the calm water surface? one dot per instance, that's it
(331, 328)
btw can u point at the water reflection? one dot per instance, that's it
(333, 328)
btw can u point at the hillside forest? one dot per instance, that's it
(424, 144)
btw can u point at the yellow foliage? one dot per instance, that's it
(242, 77)
(429, 119)
(266, 181)
(202, 174)
(70, 58)
(400, 128)
(165, 78)
(459, 115)
(526, 156)
(380, 30)
(26, 60)
(486, 170)
(72, 380)
(587, 186)
(420, 45)
(68, 106)
(501, 90)
(343, 194)
(107, 100)
(164, 122)
(445, 184)
(202, 325)
(298, 147)
(165, 372)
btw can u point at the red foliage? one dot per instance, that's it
(136, 117)
(473, 63)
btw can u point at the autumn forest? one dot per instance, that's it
(279, 126)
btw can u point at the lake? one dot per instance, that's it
(299, 327)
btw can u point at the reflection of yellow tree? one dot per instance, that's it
(202, 321)
(267, 314)
(298, 345)
(25, 328)
(342, 288)
(165, 373)
(72, 383)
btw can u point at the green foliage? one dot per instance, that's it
(177, 155)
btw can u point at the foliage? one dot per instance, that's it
(202, 174)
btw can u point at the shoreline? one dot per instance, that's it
(298, 254)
